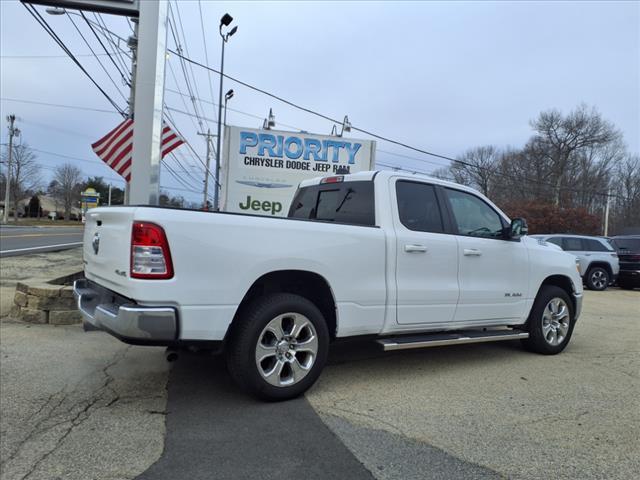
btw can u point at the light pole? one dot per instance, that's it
(227, 96)
(13, 131)
(225, 21)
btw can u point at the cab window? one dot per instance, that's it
(473, 216)
(418, 207)
(349, 203)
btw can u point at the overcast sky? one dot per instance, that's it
(443, 76)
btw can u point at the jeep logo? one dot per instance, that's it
(261, 206)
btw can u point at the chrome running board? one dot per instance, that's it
(450, 338)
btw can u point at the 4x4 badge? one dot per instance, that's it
(96, 242)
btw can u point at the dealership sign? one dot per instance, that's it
(261, 169)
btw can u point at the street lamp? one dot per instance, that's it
(55, 11)
(227, 96)
(225, 21)
(346, 127)
(270, 121)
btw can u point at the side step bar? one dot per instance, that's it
(453, 338)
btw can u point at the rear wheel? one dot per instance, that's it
(279, 348)
(597, 278)
(550, 322)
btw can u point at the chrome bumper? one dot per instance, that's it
(578, 298)
(105, 310)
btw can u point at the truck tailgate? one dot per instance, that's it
(106, 248)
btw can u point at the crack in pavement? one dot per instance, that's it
(103, 392)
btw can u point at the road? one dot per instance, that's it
(83, 405)
(24, 240)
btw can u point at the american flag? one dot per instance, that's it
(115, 147)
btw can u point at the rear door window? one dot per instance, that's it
(572, 244)
(418, 207)
(349, 202)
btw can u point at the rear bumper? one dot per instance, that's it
(103, 309)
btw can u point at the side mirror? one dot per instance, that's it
(518, 228)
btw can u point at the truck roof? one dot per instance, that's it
(371, 174)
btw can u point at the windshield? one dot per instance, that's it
(626, 244)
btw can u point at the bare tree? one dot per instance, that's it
(626, 188)
(477, 167)
(67, 186)
(561, 138)
(25, 174)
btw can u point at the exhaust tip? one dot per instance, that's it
(171, 355)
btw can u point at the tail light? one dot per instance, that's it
(150, 255)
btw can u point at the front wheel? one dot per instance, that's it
(279, 347)
(550, 322)
(597, 279)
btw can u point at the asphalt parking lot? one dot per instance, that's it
(82, 405)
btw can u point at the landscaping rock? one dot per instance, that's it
(30, 315)
(44, 290)
(20, 299)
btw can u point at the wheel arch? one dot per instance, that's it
(310, 285)
(563, 282)
(601, 264)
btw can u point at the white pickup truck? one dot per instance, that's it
(408, 261)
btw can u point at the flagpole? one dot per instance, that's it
(133, 46)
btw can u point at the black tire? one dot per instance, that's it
(597, 278)
(537, 341)
(241, 348)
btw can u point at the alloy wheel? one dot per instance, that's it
(599, 279)
(286, 349)
(555, 321)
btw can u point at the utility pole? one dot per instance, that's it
(13, 131)
(109, 195)
(209, 136)
(606, 214)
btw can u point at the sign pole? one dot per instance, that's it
(148, 103)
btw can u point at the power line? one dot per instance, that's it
(176, 39)
(175, 79)
(51, 56)
(206, 53)
(43, 23)
(122, 75)
(186, 48)
(115, 46)
(375, 135)
(96, 57)
(58, 105)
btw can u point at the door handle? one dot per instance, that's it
(415, 248)
(472, 252)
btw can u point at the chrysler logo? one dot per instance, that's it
(96, 242)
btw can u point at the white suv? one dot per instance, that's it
(598, 259)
